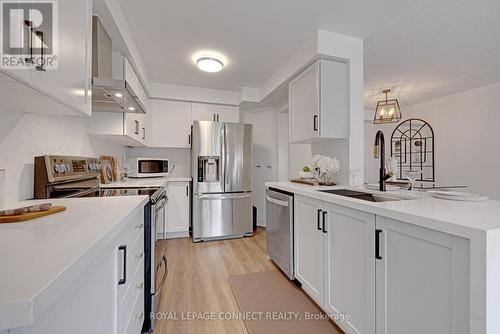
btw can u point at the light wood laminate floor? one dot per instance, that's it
(197, 281)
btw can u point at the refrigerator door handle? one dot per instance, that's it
(224, 158)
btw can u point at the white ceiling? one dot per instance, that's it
(421, 49)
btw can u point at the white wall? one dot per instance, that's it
(282, 129)
(34, 135)
(264, 154)
(181, 157)
(466, 129)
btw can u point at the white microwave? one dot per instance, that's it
(148, 167)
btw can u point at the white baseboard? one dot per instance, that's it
(181, 234)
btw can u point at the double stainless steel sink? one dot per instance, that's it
(363, 195)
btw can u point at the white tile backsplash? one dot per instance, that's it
(36, 134)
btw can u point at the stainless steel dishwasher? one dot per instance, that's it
(279, 229)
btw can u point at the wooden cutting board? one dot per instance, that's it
(31, 215)
(312, 182)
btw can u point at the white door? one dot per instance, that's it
(350, 267)
(303, 105)
(204, 112)
(228, 114)
(422, 280)
(178, 208)
(309, 251)
(170, 124)
(70, 82)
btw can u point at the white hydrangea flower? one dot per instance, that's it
(324, 167)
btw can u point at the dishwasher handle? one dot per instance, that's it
(277, 201)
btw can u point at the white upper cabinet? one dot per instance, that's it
(215, 113)
(123, 128)
(422, 280)
(229, 114)
(171, 120)
(204, 112)
(123, 70)
(68, 84)
(318, 102)
(170, 123)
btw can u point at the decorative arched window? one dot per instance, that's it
(412, 144)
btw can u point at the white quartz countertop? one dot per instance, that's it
(41, 257)
(455, 217)
(145, 182)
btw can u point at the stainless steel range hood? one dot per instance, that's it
(109, 94)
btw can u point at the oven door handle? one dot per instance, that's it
(161, 204)
(164, 278)
(82, 193)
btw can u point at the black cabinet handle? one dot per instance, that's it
(189, 139)
(377, 244)
(136, 125)
(214, 117)
(315, 122)
(217, 117)
(29, 24)
(143, 133)
(41, 66)
(324, 222)
(187, 191)
(319, 219)
(123, 248)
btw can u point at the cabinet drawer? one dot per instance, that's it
(135, 290)
(136, 320)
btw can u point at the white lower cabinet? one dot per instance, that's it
(381, 275)
(422, 280)
(177, 210)
(350, 267)
(107, 297)
(309, 250)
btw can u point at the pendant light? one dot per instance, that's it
(388, 110)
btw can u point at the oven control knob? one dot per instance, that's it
(68, 168)
(56, 168)
(62, 168)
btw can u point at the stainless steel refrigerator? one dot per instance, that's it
(221, 168)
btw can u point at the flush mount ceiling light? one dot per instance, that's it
(388, 110)
(209, 60)
(209, 64)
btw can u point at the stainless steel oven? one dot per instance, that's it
(73, 177)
